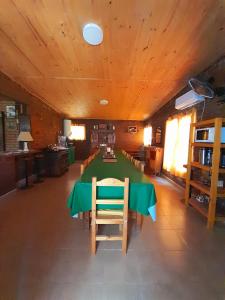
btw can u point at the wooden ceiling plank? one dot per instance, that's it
(150, 49)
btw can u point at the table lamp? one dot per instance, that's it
(25, 136)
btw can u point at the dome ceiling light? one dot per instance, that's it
(92, 34)
(103, 102)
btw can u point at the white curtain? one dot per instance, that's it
(176, 145)
(148, 136)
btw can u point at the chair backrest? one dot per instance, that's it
(142, 167)
(81, 169)
(85, 163)
(110, 182)
(83, 166)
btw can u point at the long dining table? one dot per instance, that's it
(142, 197)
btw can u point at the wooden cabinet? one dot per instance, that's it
(212, 191)
(56, 162)
(155, 159)
(7, 173)
(103, 134)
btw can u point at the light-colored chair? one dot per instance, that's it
(109, 216)
(83, 166)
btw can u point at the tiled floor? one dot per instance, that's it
(44, 254)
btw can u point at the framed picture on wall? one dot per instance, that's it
(11, 124)
(10, 111)
(158, 135)
(132, 129)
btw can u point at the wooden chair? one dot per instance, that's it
(142, 167)
(138, 164)
(83, 166)
(86, 216)
(119, 217)
(81, 169)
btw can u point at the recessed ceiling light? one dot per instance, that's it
(103, 102)
(92, 34)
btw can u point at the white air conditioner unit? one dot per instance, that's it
(188, 99)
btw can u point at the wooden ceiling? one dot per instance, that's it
(150, 49)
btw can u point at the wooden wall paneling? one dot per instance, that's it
(2, 131)
(45, 122)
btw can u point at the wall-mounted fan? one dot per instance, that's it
(205, 89)
(201, 88)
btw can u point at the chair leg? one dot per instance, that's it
(139, 220)
(81, 216)
(93, 239)
(124, 241)
(87, 219)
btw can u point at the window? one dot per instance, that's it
(147, 136)
(176, 145)
(78, 133)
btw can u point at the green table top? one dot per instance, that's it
(141, 191)
(120, 169)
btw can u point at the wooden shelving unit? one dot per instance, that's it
(103, 134)
(209, 211)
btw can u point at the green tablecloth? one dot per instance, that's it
(142, 198)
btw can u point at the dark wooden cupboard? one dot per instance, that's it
(56, 162)
(7, 173)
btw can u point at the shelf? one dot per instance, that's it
(206, 122)
(221, 193)
(203, 209)
(203, 167)
(205, 189)
(200, 207)
(203, 123)
(203, 145)
(200, 166)
(206, 145)
(200, 186)
(220, 218)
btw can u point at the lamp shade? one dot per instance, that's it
(24, 136)
(67, 127)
